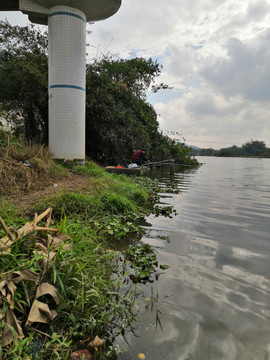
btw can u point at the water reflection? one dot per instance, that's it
(215, 297)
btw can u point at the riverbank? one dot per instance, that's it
(60, 281)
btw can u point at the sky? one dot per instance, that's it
(215, 55)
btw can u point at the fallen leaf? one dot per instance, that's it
(46, 288)
(40, 312)
(81, 354)
(6, 336)
(5, 245)
(18, 276)
(96, 342)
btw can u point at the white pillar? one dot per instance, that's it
(67, 64)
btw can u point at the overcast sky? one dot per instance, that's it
(215, 54)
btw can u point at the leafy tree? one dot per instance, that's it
(254, 147)
(205, 152)
(24, 76)
(117, 109)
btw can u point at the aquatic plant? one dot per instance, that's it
(143, 261)
(164, 211)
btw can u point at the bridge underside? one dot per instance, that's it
(9, 5)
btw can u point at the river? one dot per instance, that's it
(213, 303)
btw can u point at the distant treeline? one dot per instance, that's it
(251, 148)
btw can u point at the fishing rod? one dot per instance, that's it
(161, 162)
(165, 162)
(121, 156)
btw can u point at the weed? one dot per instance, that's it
(115, 204)
(70, 204)
(87, 281)
(26, 168)
(118, 227)
(91, 169)
(144, 262)
(164, 210)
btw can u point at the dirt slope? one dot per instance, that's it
(73, 182)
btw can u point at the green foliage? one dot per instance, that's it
(91, 169)
(114, 195)
(119, 227)
(143, 261)
(24, 77)
(250, 148)
(87, 274)
(4, 138)
(88, 286)
(115, 203)
(166, 211)
(116, 100)
(87, 281)
(254, 148)
(204, 152)
(70, 204)
(151, 187)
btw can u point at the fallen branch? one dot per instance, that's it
(40, 228)
(7, 241)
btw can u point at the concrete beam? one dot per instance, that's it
(9, 5)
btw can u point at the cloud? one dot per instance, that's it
(14, 17)
(245, 71)
(207, 118)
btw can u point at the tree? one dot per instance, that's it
(116, 106)
(24, 76)
(254, 147)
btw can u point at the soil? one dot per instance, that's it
(74, 182)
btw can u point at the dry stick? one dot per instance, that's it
(40, 228)
(8, 145)
(6, 230)
(29, 227)
(39, 150)
(41, 216)
(35, 220)
(40, 332)
(49, 217)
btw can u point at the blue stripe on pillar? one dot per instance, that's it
(67, 13)
(67, 86)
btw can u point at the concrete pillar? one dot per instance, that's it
(67, 73)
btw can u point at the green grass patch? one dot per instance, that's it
(88, 276)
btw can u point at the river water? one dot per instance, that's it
(214, 301)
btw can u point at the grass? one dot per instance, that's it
(25, 168)
(88, 275)
(88, 283)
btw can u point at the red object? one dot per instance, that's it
(138, 155)
(119, 167)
